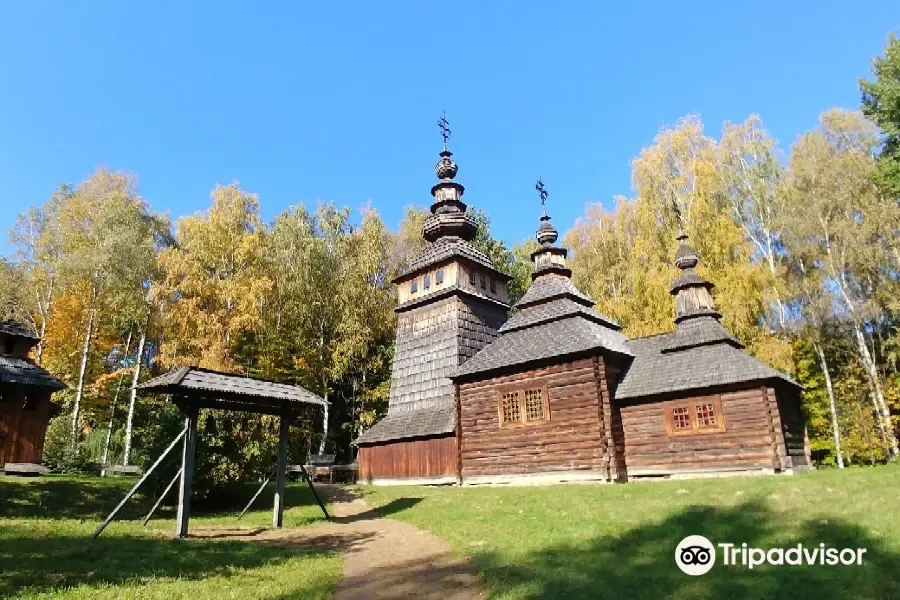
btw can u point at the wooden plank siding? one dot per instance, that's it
(22, 432)
(409, 459)
(572, 439)
(793, 427)
(751, 440)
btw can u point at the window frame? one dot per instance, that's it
(426, 282)
(492, 285)
(521, 388)
(691, 405)
(438, 277)
(414, 286)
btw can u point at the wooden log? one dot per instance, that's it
(160, 499)
(283, 430)
(112, 515)
(187, 472)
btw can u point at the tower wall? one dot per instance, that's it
(432, 340)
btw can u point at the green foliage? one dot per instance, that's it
(881, 103)
(63, 454)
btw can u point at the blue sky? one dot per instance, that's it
(302, 101)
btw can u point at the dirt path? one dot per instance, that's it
(382, 558)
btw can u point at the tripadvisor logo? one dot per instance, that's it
(696, 555)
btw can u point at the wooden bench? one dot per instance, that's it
(319, 465)
(127, 470)
(348, 472)
(25, 469)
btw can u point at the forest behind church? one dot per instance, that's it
(802, 243)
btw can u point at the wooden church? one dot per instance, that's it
(556, 392)
(25, 406)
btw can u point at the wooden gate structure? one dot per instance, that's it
(193, 388)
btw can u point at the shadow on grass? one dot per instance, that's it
(34, 564)
(69, 498)
(92, 498)
(640, 563)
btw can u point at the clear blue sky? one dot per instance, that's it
(300, 101)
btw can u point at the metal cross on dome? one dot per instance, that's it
(539, 186)
(444, 124)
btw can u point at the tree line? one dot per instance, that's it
(802, 245)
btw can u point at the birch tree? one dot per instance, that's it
(839, 218)
(751, 182)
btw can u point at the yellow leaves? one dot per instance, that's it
(217, 278)
(624, 258)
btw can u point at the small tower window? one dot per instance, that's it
(414, 286)
(9, 345)
(426, 284)
(439, 277)
(493, 286)
(483, 282)
(472, 278)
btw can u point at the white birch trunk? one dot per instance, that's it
(324, 425)
(85, 351)
(831, 405)
(112, 410)
(134, 382)
(881, 409)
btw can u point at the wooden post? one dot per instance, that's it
(278, 511)
(187, 472)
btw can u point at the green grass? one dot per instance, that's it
(46, 551)
(618, 541)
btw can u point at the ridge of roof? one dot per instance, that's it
(550, 288)
(553, 310)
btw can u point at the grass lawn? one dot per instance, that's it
(46, 551)
(618, 541)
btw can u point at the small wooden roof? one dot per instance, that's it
(203, 388)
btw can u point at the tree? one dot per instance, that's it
(840, 220)
(106, 232)
(214, 279)
(38, 246)
(751, 180)
(624, 258)
(881, 103)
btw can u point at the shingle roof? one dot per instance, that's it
(447, 248)
(194, 379)
(22, 371)
(553, 311)
(408, 424)
(699, 332)
(552, 339)
(658, 370)
(15, 328)
(549, 288)
(555, 320)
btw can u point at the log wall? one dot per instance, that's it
(409, 459)
(793, 426)
(752, 439)
(22, 431)
(574, 438)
